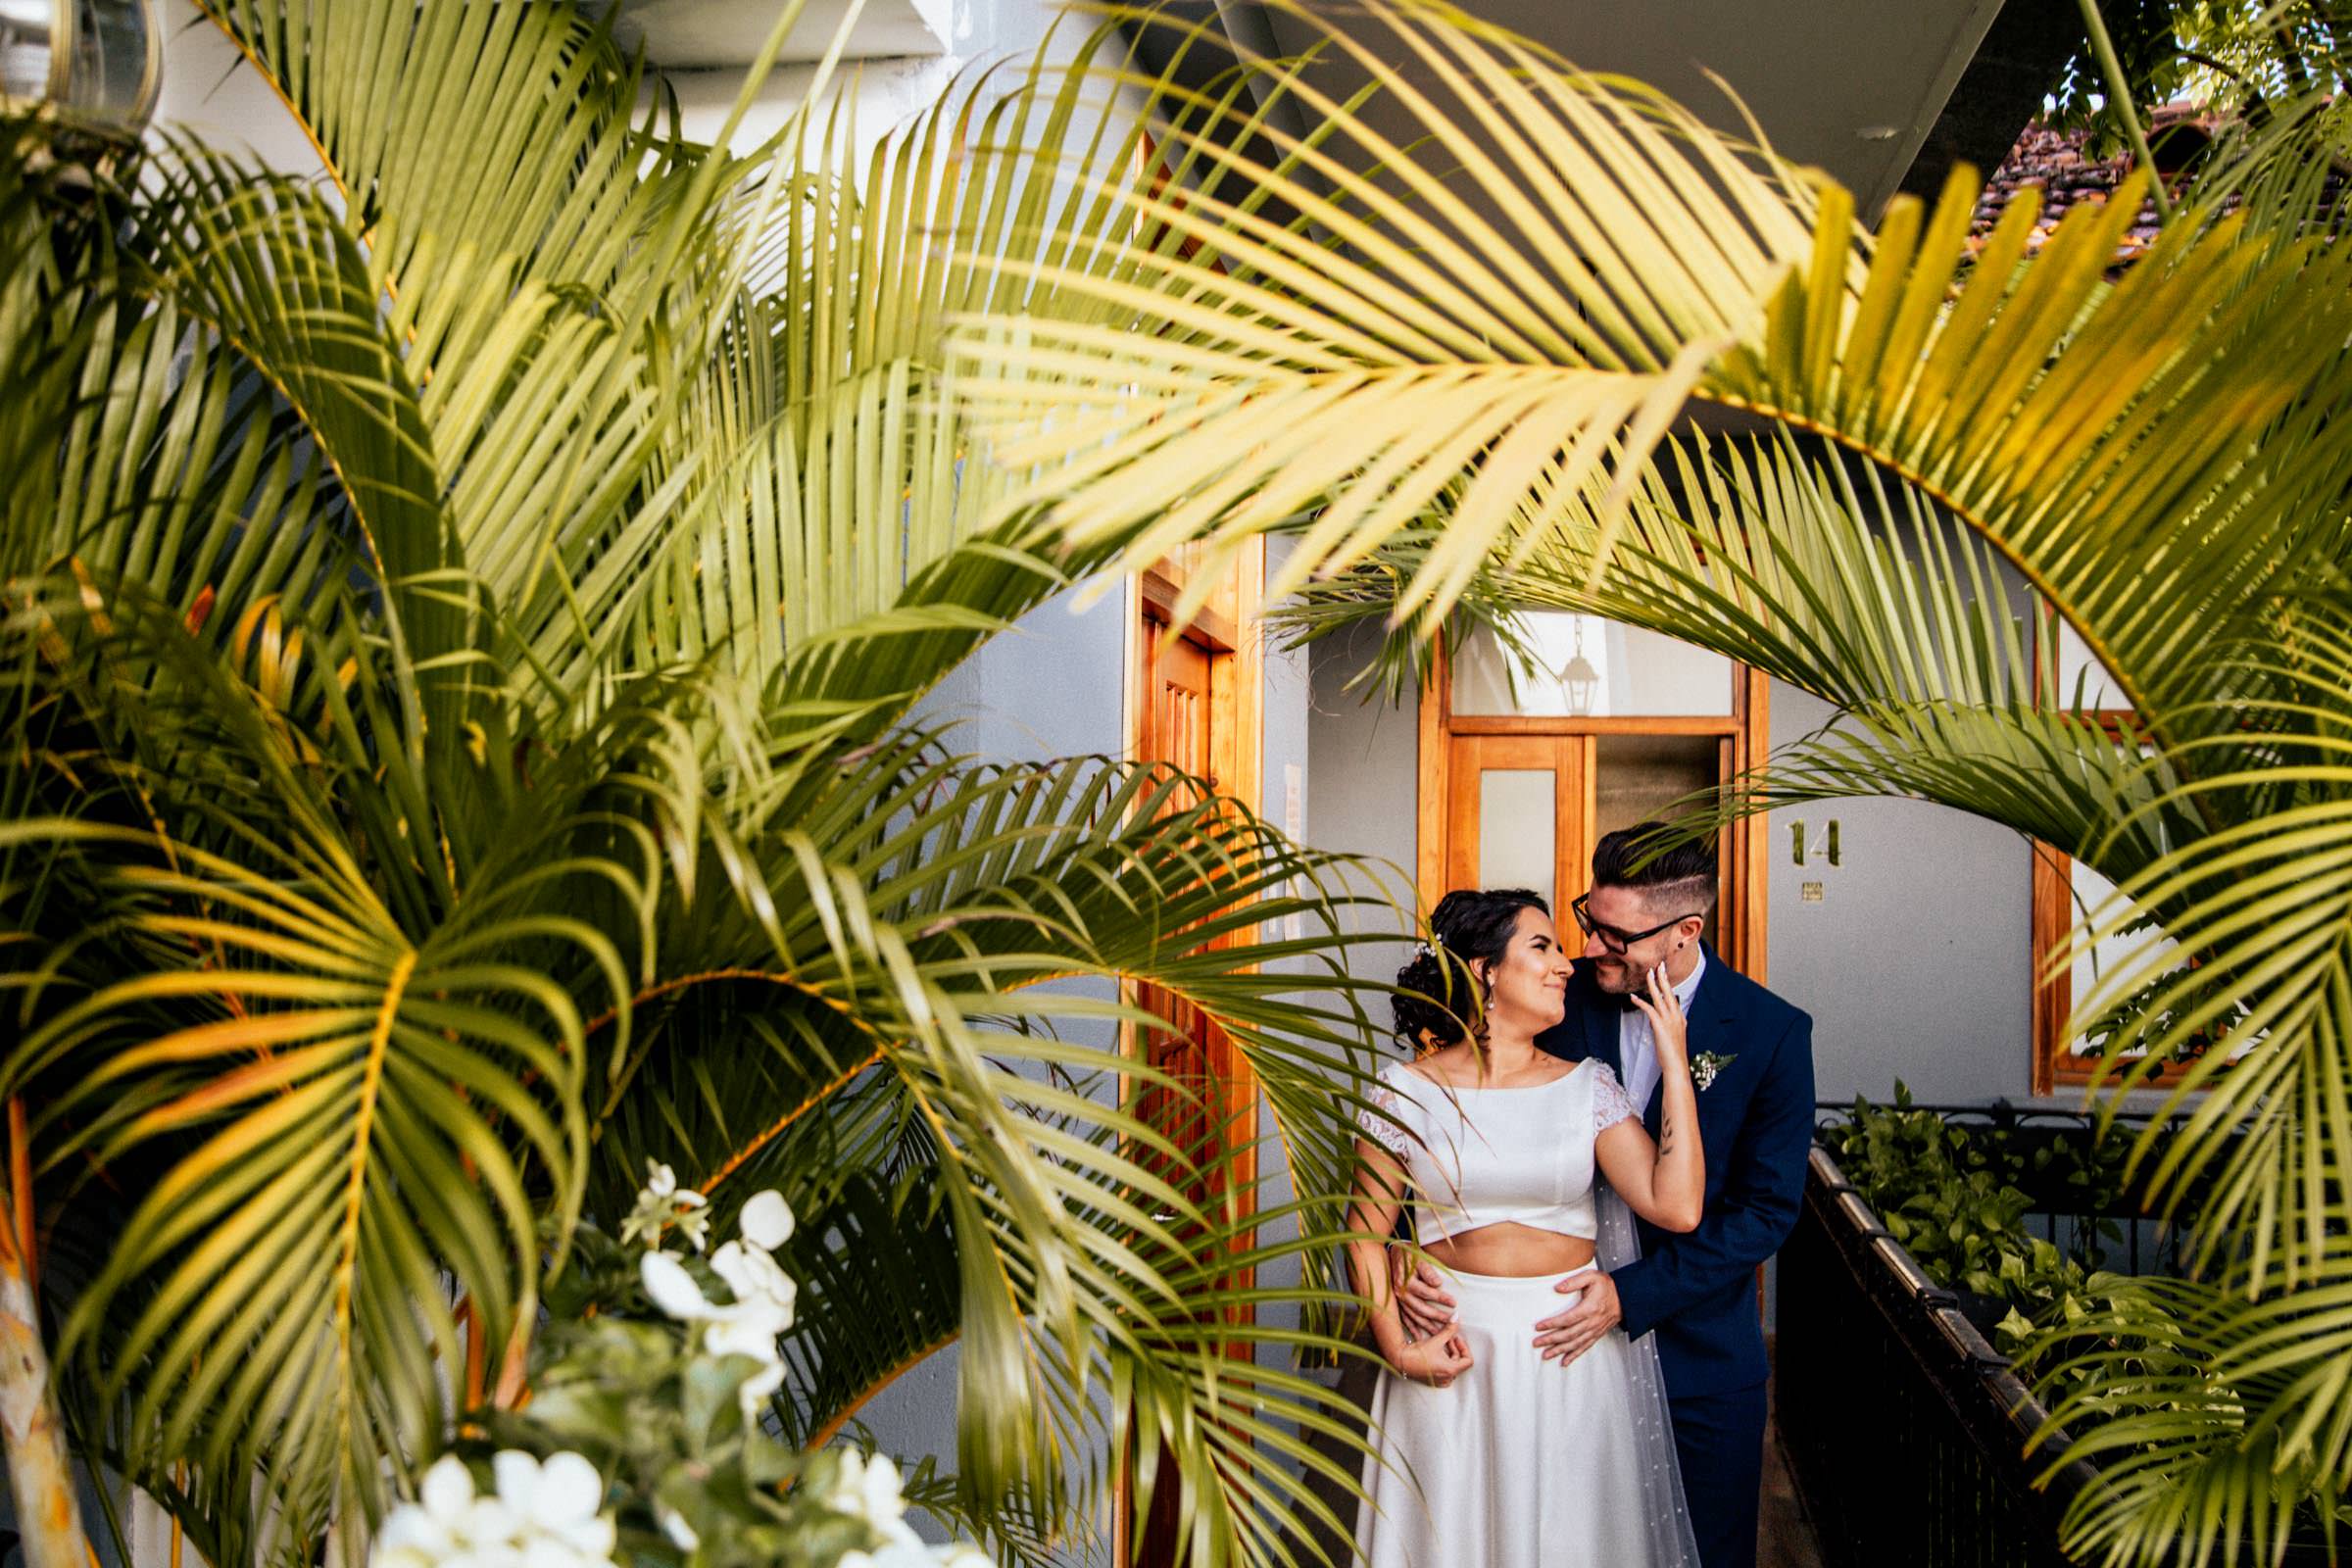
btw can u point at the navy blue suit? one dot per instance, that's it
(1697, 1290)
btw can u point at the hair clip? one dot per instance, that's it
(1422, 950)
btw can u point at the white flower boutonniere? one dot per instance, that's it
(1706, 1064)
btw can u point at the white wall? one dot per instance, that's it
(211, 92)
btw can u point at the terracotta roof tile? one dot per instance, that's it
(2059, 164)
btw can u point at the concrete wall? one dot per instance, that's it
(1053, 686)
(1917, 962)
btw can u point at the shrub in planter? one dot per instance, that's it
(1950, 1195)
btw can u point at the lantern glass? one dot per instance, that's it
(1581, 682)
(111, 67)
(97, 63)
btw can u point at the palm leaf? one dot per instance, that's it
(2215, 1419)
(940, 896)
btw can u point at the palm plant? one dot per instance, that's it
(466, 629)
(1458, 385)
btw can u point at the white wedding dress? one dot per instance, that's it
(1520, 1462)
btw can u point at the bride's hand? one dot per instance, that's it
(1668, 1029)
(1436, 1362)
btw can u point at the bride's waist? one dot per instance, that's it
(1511, 1251)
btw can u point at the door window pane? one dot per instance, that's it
(1640, 777)
(1590, 668)
(1517, 830)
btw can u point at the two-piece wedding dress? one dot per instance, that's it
(1520, 1461)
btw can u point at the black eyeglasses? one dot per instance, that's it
(1611, 938)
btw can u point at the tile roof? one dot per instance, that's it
(2060, 165)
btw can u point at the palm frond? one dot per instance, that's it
(886, 1043)
(2216, 1418)
(2068, 420)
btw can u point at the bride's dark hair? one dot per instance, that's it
(1436, 991)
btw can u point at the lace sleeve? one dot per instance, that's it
(1381, 1126)
(1611, 1104)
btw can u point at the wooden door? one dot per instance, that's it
(1519, 813)
(1486, 764)
(1178, 730)
(1208, 1107)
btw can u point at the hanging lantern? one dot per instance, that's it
(96, 65)
(1578, 678)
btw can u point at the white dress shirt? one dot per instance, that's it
(1637, 1051)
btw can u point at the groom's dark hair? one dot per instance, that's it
(1659, 860)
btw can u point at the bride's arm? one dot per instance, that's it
(1666, 1182)
(1380, 1184)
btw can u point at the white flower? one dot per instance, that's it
(868, 1489)
(898, 1554)
(557, 1499)
(741, 1331)
(747, 1326)
(448, 1490)
(662, 1205)
(674, 1526)
(766, 1220)
(759, 1286)
(910, 1553)
(672, 1289)
(543, 1515)
(413, 1537)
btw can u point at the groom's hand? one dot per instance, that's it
(1421, 1299)
(1570, 1334)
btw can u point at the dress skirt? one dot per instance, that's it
(1520, 1461)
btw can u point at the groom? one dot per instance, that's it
(1751, 1054)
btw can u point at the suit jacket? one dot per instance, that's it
(1755, 1120)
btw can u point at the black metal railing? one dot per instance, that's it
(1905, 1428)
(1901, 1424)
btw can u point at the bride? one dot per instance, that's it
(1484, 1450)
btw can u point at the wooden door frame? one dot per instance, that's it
(2051, 905)
(1744, 861)
(1228, 628)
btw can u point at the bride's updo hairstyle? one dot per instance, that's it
(1436, 991)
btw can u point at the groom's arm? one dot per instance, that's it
(1756, 1208)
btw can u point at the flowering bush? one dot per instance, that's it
(643, 1440)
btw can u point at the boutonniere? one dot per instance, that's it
(1706, 1064)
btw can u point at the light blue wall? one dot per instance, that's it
(1053, 686)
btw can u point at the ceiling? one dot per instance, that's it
(1852, 86)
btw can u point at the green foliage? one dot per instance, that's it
(2233, 56)
(614, 1380)
(461, 627)
(627, 1389)
(2147, 44)
(1949, 1194)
